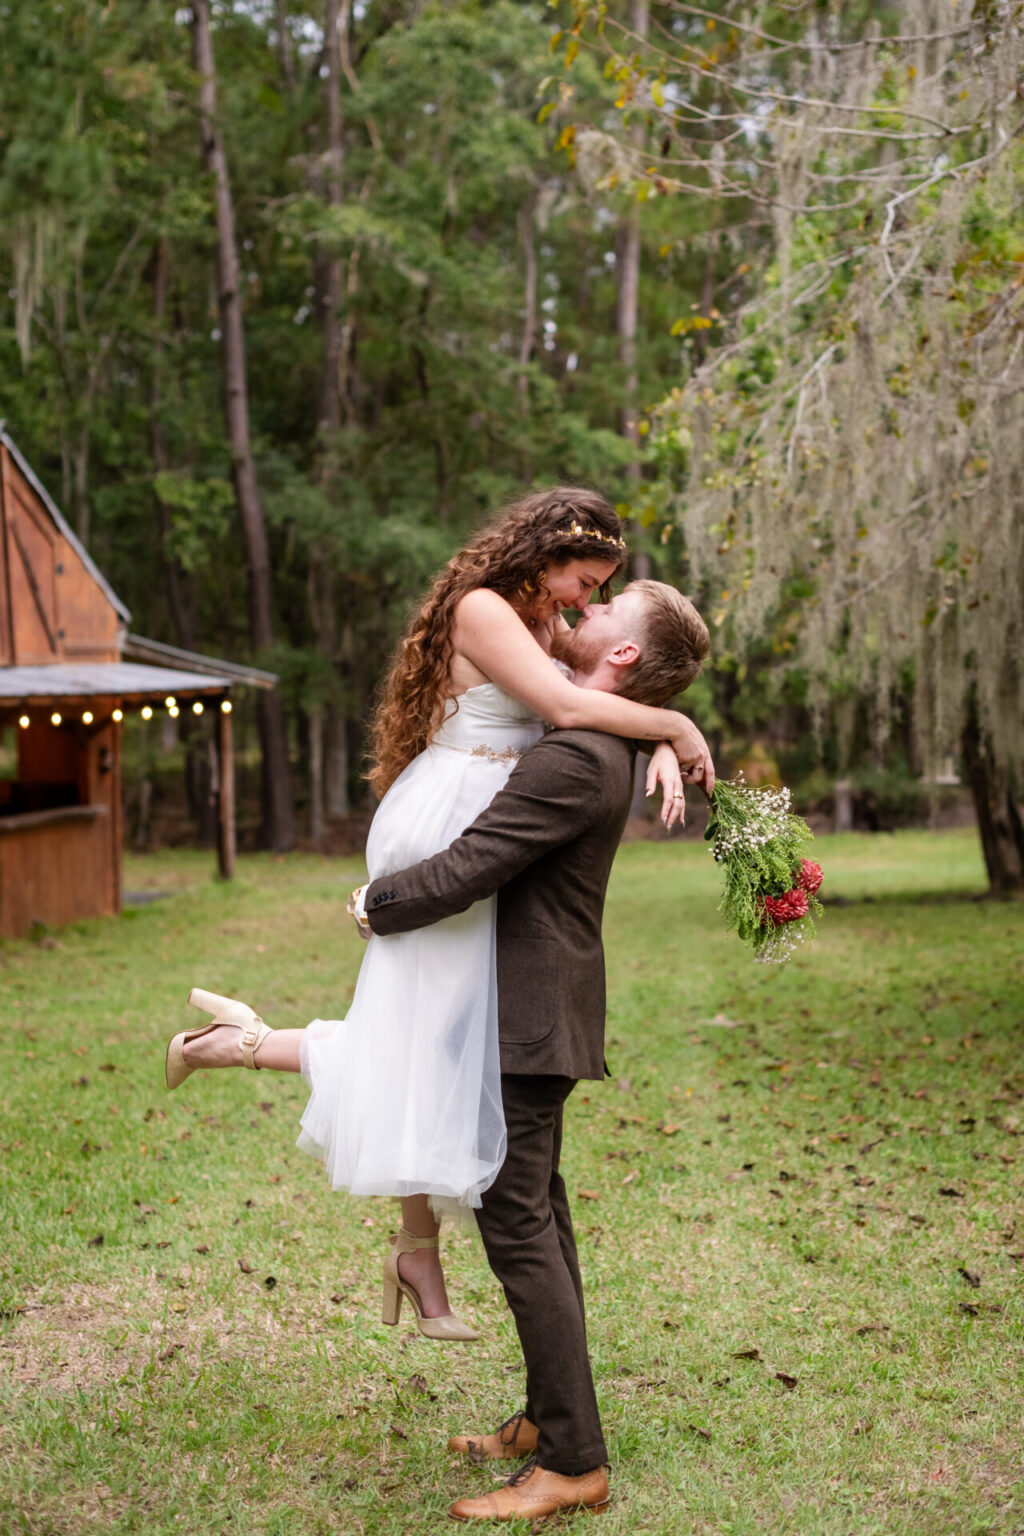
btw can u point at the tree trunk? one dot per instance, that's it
(80, 462)
(330, 286)
(336, 800)
(999, 819)
(197, 770)
(327, 796)
(317, 824)
(329, 283)
(285, 56)
(627, 306)
(278, 813)
(707, 297)
(528, 340)
(174, 576)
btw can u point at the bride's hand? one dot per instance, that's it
(663, 769)
(693, 755)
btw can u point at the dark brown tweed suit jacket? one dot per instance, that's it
(546, 845)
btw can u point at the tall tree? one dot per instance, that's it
(628, 299)
(857, 433)
(278, 814)
(472, 340)
(328, 279)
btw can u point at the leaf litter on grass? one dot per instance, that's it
(707, 1252)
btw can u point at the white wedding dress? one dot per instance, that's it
(405, 1093)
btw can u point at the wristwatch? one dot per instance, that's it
(354, 907)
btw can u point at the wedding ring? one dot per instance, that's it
(679, 795)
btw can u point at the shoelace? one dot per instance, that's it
(514, 1421)
(525, 1471)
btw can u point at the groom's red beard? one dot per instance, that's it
(577, 648)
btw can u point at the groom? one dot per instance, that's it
(546, 845)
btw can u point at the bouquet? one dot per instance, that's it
(771, 889)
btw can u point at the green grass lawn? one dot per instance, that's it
(798, 1199)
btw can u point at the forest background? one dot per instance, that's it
(292, 295)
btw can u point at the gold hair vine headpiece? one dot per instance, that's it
(577, 531)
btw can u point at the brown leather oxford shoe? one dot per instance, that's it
(533, 1493)
(516, 1437)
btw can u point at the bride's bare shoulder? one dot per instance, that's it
(483, 604)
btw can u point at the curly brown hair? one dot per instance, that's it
(509, 555)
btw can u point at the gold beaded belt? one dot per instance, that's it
(506, 755)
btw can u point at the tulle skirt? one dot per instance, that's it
(405, 1092)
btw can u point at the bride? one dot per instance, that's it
(405, 1095)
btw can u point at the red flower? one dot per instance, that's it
(810, 877)
(789, 908)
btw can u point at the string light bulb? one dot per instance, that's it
(174, 711)
(170, 701)
(147, 713)
(118, 715)
(23, 722)
(197, 708)
(225, 707)
(87, 717)
(55, 718)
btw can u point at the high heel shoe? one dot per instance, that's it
(449, 1328)
(225, 1010)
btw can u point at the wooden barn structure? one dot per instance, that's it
(69, 671)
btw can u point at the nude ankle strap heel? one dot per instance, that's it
(226, 1010)
(449, 1328)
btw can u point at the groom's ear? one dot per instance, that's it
(625, 654)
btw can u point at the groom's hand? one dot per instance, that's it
(693, 755)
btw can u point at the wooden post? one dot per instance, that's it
(8, 637)
(226, 795)
(114, 800)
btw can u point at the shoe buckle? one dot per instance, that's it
(251, 1034)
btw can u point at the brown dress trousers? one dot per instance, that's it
(546, 845)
